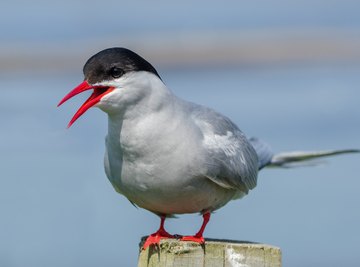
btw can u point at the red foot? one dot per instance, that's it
(193, 238)
(198, 238)
(154, 239)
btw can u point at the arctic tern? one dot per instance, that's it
(168, 155)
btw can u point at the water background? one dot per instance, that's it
(57, 207)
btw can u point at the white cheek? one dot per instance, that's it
(114, 98)
(110, 99)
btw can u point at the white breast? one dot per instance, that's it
(154, 157)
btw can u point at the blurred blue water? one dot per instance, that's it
(58, 209)
(48, 21)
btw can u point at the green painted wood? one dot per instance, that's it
(214, 253)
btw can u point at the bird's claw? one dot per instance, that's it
(155, 238)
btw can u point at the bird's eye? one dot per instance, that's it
(116, 72)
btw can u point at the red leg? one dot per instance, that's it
(155, 238)
(198, 237)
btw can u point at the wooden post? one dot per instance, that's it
(214, 253)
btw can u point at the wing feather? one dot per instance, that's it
(231, 160)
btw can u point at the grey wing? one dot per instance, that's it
(231, 160)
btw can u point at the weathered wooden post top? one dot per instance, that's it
(214, 253)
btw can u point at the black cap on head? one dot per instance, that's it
(114, 62)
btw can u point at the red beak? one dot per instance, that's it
(99, 92)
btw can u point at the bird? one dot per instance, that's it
(168, 155)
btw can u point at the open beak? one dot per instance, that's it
(99, 92)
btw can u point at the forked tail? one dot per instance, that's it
(291, 159)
